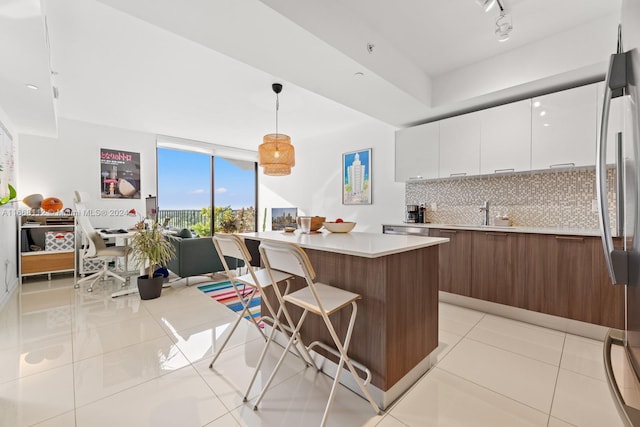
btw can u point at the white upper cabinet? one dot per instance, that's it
(417, 152)
(505, 139)
(563, 128)
(460, 145)
(616, 122)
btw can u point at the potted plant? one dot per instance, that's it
(151, 247)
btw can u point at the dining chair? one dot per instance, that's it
(315, 298)
(96, 249)
(232, 246)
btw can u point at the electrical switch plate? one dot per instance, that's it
(434, 206)
(594, 205)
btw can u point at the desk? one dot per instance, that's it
(125, 236)
(397, 324)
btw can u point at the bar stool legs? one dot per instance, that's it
(344, 360)
(277, 324)
(282, 356)
(245, 309)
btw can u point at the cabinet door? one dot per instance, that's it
(583, 296)
(460, 145)
(541, 281)
(417, 152)
(563, 126)
(560, 277)
(454, 261)
(505, 139)
(498, 268)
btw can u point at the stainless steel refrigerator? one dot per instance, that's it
(622, 95)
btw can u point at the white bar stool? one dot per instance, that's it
(232, 246)
(317, 298)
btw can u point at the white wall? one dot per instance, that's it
(8, 232)
(57, 167)
(575, 49)
(314, 186)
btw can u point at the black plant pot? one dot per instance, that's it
(150, 288)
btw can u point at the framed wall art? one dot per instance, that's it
(119, 174)
(283, 217)
(356, 177)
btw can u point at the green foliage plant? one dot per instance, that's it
(12, 194)
(151, 246)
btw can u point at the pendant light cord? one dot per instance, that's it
(277, 108)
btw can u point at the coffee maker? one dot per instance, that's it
(411, 214)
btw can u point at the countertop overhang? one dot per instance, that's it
(367, 245)
(565, 231)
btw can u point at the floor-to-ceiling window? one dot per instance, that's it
(191, 183)
(234, 195)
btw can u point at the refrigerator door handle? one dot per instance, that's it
(616, 259)
(620, 199)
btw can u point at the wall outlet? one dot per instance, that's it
(434, 206)
(594, 205)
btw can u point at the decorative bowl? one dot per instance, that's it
(316, 222)
(339, 227)
(34, 201)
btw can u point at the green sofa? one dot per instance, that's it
(196, 256)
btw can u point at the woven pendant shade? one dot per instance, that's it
(276, 154)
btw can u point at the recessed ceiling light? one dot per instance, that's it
(358, 74)
(546, 125)
(32, 87)
(536, 104)
(543, 113)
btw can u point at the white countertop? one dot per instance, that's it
(367, 245)
(513, 229)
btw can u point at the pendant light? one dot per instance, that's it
(276, 154)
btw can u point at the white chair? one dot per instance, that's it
(316, 298)
(232, 246)
(96, 249)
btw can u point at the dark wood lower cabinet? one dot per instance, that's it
(455, 261)
(560, 275)
(566, 277)
(498, 267)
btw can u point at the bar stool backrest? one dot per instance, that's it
(288, 258)
(232, 246)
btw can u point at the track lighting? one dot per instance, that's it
(487, 5)
(503, 23)
(503, 26)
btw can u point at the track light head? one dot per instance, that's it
(486, 5)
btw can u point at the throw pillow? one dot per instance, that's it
(185, 233)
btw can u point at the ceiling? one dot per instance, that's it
(203, 70)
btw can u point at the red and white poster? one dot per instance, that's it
(119, 174)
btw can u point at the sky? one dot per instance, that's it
(184, 181)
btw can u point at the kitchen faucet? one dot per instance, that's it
(485, 210)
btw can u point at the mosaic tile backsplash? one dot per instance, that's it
(562, 199)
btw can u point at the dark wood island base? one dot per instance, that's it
(397, 321)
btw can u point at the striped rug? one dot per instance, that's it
(224, 293)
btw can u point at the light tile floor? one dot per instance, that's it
(70, 358)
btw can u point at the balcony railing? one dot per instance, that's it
(190, 218)
(182, 218)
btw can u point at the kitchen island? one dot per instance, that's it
(397, 322)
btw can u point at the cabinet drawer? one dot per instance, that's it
(47, 262)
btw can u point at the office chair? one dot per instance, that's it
(96, 249)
